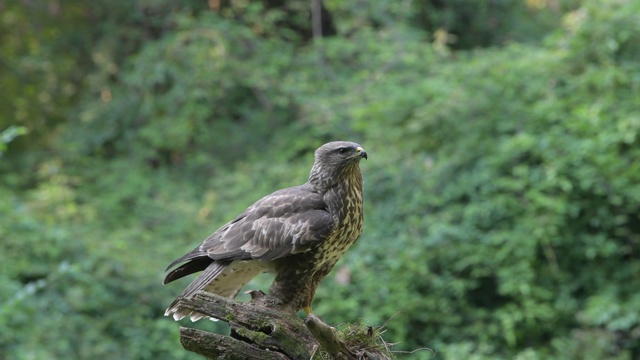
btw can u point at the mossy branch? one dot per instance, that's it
(260, 329)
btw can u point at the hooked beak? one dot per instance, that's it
(362, 153)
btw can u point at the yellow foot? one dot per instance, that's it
(307, 310)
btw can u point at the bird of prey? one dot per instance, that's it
(298, 233)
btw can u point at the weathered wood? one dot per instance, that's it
(213, 346)
(261, 329)
(258, 323)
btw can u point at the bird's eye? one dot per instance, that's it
(343, 150)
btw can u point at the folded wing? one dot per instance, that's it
(287, 222)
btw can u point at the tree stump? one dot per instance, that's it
(260, 329)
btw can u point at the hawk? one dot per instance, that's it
(298, 233)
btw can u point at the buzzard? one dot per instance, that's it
(298, 233)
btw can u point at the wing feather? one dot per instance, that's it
(289, 221)
(286, 222)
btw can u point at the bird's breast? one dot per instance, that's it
(345, 204)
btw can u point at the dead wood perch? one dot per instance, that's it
(262, 330)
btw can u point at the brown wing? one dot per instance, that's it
(286, 222)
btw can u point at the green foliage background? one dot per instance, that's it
(502, 190)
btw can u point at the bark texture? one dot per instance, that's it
(261, 329)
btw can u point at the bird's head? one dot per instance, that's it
(338, 153)
(335, 160)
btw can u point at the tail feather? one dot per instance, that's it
(208, 275)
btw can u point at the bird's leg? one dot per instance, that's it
(307, 310)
